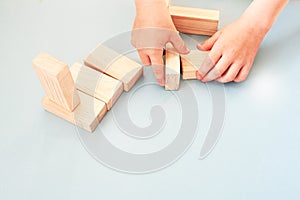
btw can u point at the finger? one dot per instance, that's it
(217, 71)
(198, 76)
(208, 63)
(178, 43)
(158, 66)
(209, 43)
(230, 73)
(242, 75)
(144, 57)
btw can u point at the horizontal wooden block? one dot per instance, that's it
(114, 64)
(96, 84)
(172, 69)
(87, 115)
(191, 63)
(56, 80)
(195, 20)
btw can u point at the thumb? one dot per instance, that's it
(209, 43)
(178, 43)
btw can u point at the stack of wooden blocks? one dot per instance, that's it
(83, 93)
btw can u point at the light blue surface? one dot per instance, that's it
(42, 157)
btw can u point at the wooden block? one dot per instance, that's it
(195, 20)
(190, 73)
(114, 64)
(172, 70)
(57, 81)
(168, 2)
(191, 63)
(96, 84)
(87, 115)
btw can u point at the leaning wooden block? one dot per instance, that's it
(192, 62)
(96, 84)
(172, 70)
(87, 115)
(195, 20)
(114, 64)
(57, 81)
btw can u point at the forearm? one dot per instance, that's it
(263, 13)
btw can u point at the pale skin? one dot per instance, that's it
(232, 49)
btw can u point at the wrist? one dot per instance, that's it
(151, 9)
(256, 25)
(261, 14)
(147, 4)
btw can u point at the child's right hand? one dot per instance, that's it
(153, 28)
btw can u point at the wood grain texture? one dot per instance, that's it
(56, 80)
(195, 20)
(86, 115)
(191, 63)
(172, 69)
(168, 2)
(114, 64)
(96, 84)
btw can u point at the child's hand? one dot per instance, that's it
(232, 52)
(233, 49)
(153, 28)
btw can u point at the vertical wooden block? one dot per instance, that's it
(191, 63)
(195, 20)
(172, 73)
(169, 2)
(87, 115)
(96, 84)
(114, 64)
(57, 81)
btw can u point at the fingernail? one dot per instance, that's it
(187, 50)
(199, 46)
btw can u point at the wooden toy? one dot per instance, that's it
(195, 20)
(115, 65)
